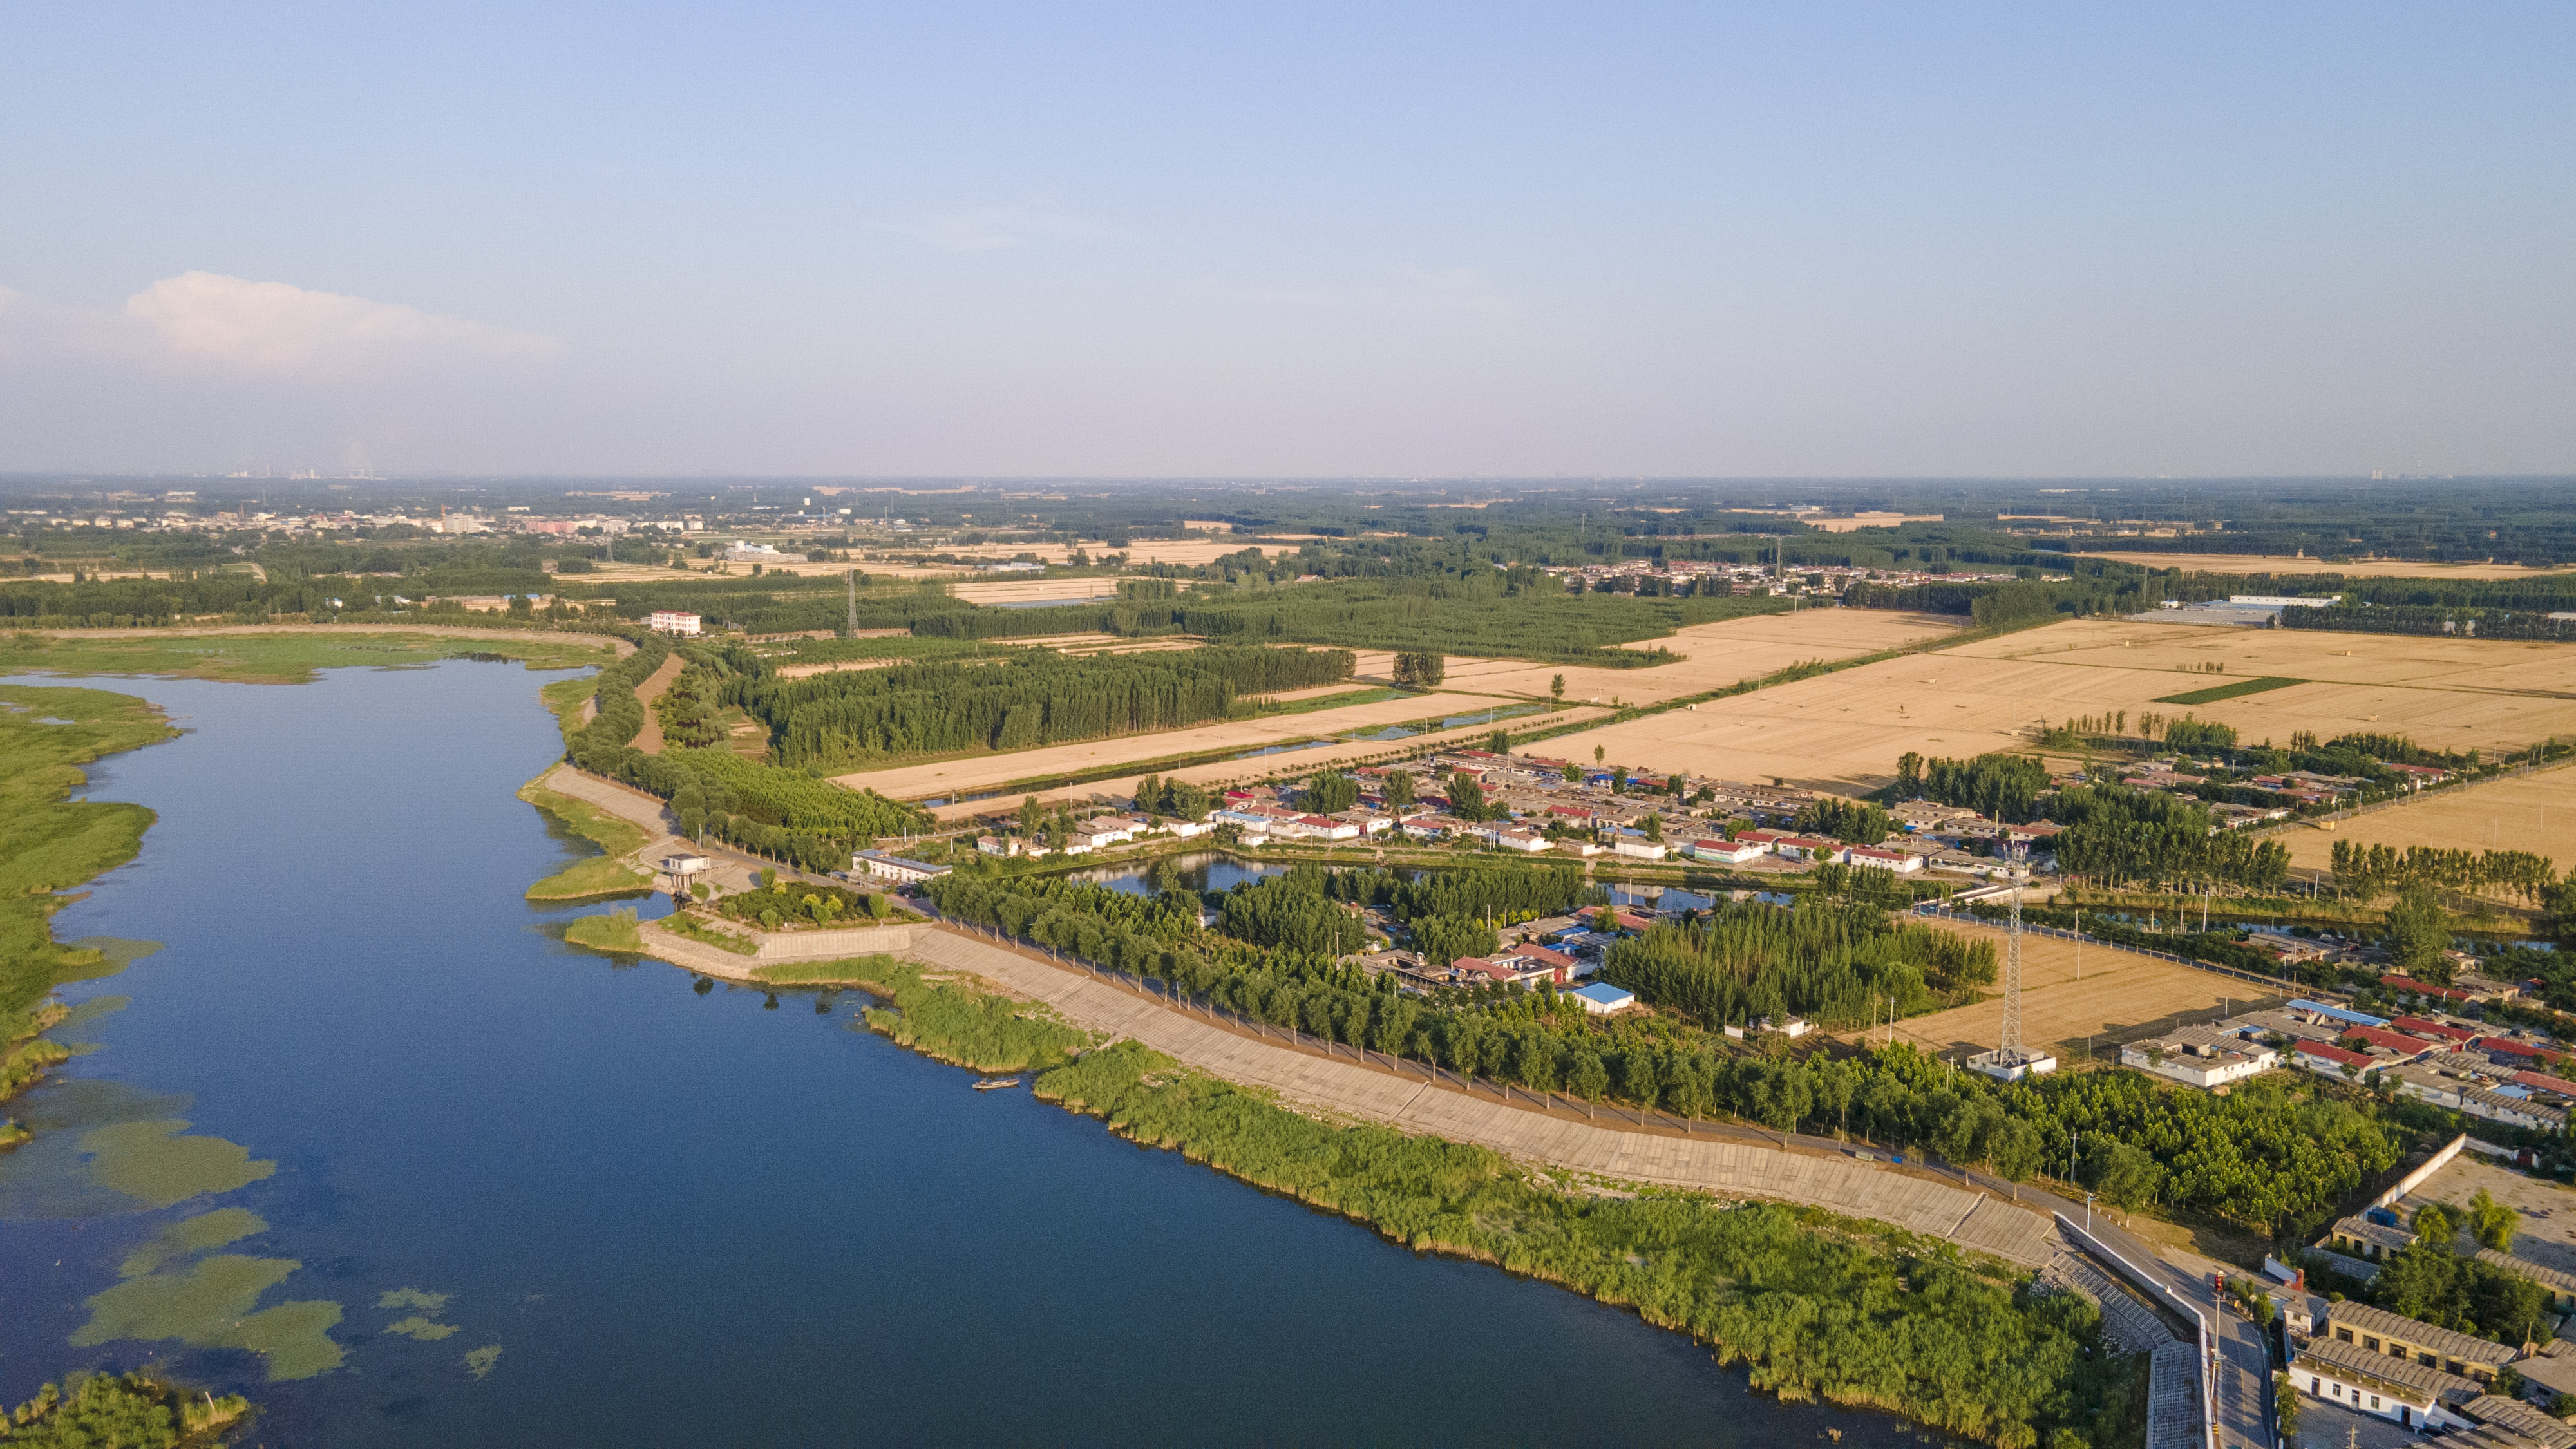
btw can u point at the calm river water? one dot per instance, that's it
(598, 1206)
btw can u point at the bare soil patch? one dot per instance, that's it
(2120, 995)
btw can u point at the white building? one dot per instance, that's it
(667, 621)
(1895, 860)
(894, 868)
(1731, 852)
(1603, 999)
(1638, 849)
(2390, 1387)
(2200, 1056)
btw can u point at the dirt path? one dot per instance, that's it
(1563, 1137)
(650, 741)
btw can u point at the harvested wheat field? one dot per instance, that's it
(1227, 772)
(2243, 563)
(1035, 591)
(1715, 656)
(985, 772)
(2121, 995)
(2534, 812)
(1844, 731)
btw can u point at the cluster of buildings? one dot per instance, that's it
(2515, 1077)
(1687, 577)
(2425, 1376)
(1097, 833)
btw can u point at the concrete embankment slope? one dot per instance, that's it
(1558, 1139)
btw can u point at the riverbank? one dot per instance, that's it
(289, 653)
(50, 845)
(1819, 1305)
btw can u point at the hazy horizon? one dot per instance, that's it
(1334, 244)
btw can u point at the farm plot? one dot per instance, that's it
(2534, 812)
(1844, 731)
(1715, 656)
(936, 778)
(2121, 995)
(1035, 591)
(1289, 761)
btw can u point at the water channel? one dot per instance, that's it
(526, 1194)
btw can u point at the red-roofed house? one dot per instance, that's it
(2398, 1042)
(2542, 1081)
(2418, 1026)
(2425, 988)
(1895, 860)
(2330, 1061)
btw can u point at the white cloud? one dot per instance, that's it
(993, 228)
(274, 327)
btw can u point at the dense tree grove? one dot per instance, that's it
(1852, 822)
(1037, 697)
(1840, 964)
(1291, 910)
(2372, 871)
(1999, 787)
(2429, 1281)
(1179, 799)
(2118, 835)
(1420, 669)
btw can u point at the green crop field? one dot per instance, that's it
(2215, 693)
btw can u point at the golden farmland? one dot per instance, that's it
(2534, 812)
(2121, 995)
(1844, 731)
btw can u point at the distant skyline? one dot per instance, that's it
(1833, 242)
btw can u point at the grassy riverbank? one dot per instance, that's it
(1818, 1306)
(281, 658)
(601, 875)
(50, 844)
(953, 1018)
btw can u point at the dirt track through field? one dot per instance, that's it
(650, 741)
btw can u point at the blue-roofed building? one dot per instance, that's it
(2336, 1013)
(1603, 999)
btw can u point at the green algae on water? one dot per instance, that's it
(413, 1298)
(420, 1328)
(190, 1236)
(154, 1161)
(212, 1304)
(479, 1362)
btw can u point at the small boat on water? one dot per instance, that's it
(996, 1084)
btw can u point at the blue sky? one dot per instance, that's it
(1449, 241)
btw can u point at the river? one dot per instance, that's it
(606, 1204)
